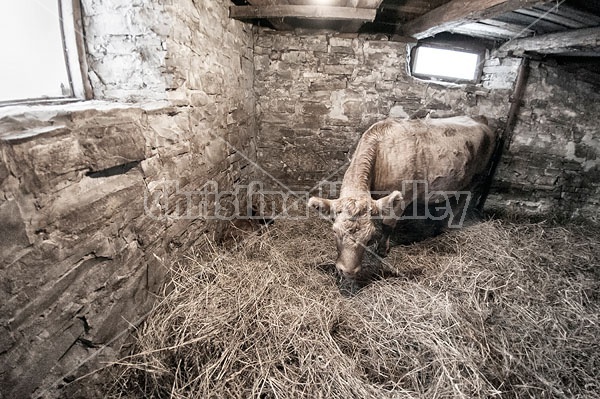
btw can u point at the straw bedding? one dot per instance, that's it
(502, 308)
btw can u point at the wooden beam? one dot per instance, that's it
(278, 23)
(489, 28)
(548, 16)
(556, 43)
(504, 141)
(418, 7)
(459, 12)
(351, 26)
(354, 26)
(310, 12)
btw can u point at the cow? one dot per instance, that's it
(446, 154)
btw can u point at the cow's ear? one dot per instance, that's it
(322, 205)
(387, 205)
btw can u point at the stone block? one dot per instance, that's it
(211, 83)
(336, 41)
(384, 46)
(336, 69)
(108, 146)
(80, 237)
(330, 84)
(314, 109)
(339, 59)
(296, 57)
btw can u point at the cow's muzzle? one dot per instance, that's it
(350, 273)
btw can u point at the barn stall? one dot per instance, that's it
(155, 238)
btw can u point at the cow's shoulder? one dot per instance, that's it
(391, 126)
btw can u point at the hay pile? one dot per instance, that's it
(498, 309)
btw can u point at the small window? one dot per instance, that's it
(41, 51)
(446, 64)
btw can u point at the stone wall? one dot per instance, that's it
(317, 94)
(553, 164)
(126, 44)
(83, 247)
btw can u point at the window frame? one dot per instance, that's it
(71, 28)
(472, 48)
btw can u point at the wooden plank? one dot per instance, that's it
(504, 141)
(460, 12)
(267, 2)
(414, 6)
(517, 30)
(552, 17)
(351, 26)
(336, 3)
(491, 31)
(556, 43)
(278, 23)
(354, 26)
(368, 3)
(574, 14)
(310, 12)
(539, 26)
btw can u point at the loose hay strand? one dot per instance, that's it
(502, 308)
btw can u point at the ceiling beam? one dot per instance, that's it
(459, 12)
(278, 23)
(354, 26)
(492, 31)
(418, 7)
(310, 12)
(571, 41)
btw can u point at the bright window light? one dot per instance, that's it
(32, 57)
(445, 64)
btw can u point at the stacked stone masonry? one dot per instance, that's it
(317, 94)
(84, 248)
(553, 165)
(185, 96)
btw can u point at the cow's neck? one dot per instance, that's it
(358, 177)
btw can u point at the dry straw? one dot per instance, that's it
(499, 309)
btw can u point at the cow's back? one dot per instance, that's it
(446, 153)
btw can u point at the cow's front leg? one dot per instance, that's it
(390, 208)
(383, 246)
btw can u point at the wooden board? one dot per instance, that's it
(459, 12)
(277, 23)
(587, 39)
(492, 29)
(310, 12)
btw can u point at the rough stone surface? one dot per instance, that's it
(317, 94)
(127, 48)
(553, 164)
(84, 188)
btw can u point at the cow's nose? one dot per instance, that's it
(351, 274)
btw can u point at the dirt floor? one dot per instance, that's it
(506, 307)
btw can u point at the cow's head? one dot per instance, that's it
(353, 225)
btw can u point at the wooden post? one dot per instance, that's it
(503, 144)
